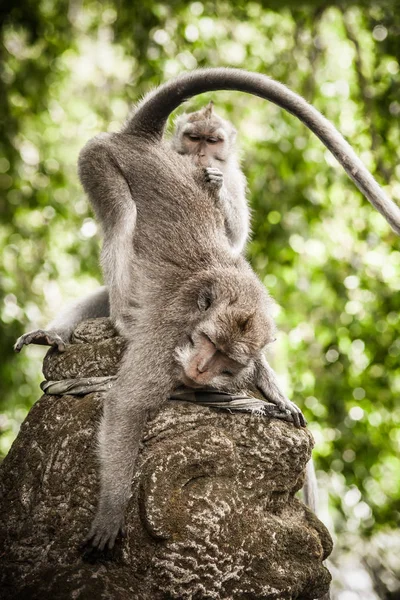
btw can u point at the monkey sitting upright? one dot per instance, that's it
(210, 141)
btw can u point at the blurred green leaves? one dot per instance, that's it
(70, 70)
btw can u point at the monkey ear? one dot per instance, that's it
(246, 323)
(205, 298)
(208, 110)
(180, 120)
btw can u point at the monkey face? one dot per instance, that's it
(233, 325)
(205, 136)
(203, 364)
(207, 146)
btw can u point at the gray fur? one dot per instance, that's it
(152, 113)
(164, 253)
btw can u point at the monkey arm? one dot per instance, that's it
(230, 198)
(237, 218)
(115, 208)
(144, 382)
(266, 381)
(59, 331)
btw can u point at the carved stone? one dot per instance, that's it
(212, 514)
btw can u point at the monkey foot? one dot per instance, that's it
(41, 337)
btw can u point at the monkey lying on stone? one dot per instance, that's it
(200, 315)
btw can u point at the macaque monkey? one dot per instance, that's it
(210, 141)
(201, 317)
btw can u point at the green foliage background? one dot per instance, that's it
(70, 70)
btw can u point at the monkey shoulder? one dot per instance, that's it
(95, 148)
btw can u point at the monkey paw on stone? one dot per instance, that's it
(214, 177)
(294, 416)
(286, 406)
(294, 413)
(41, 337)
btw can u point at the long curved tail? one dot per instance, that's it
(152, 113)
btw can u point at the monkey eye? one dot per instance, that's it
(226, 372)
(192, 137)
(212, 140)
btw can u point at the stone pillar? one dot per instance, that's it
(213, 512)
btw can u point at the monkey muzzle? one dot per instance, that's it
(203, 363)
(202, 159)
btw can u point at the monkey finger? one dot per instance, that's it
(214, 179)
(214, 174)
(101, 543)
(18, 345)
(215, 183)
(300, 419)
(296, 415)
(272, 410)
(213, 171)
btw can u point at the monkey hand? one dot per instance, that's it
(105, 528)
(214, 177)
(41, 337)
(276, 412)
(289, 410)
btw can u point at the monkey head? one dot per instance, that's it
(205, 136)
(233, 323)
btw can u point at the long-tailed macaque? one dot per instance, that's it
(201, 317)
(210, 142)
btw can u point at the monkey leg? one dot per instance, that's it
(112, 200)
(142, 385)
(266, 382)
